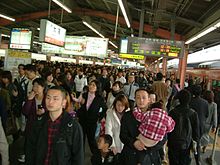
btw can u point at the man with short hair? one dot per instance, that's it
(56, 137)
(129, 89)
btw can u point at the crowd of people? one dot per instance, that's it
(57, 106)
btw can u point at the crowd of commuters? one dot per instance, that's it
(57, 106)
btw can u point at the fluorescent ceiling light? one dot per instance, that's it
(93, 29)
(4, 35)
(7, 17)
(63, 6)
(160, 58)
(124, 13)
(38, 29)
(204, 32)
(132, 35)
(113, 44)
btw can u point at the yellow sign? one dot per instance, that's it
(18, 54)
(134, 56)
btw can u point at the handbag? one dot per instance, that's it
(11, 126)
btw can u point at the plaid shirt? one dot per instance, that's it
(53, 128)
(155, 123)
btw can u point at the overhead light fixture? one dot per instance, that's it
(160, 58)
(4, 35)
(204, 32)
(124, 13)
(93, 29)
(38, 29)
(132, 35)
(63, 6)
(113, 44)
(7, 17)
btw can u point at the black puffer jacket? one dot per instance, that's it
(67, 148)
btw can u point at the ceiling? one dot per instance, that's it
(184, 17)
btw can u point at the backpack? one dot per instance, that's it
(181, 137)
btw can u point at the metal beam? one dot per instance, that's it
(169, 15)
(80, 32)
(70, 23)
(11, 8)
(147, 28)
(90, 4)
(28, 17)
(106, 4)
(28, 4)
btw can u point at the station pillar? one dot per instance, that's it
(158, 66)
(182, 67)
(164, 66)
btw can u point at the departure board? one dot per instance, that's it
(21, 38)
(155, 47)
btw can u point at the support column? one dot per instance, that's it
(164, 66)
(141, 27)
(158, 66)
(179, 68)
(77, 60)
(183, 69)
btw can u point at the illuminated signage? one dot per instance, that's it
(21, 38)
(51, 33)
(132, 56)
(86, 46)
(49, 48)
(155, 47)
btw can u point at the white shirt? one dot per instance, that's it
(80, 83)
(121, 79)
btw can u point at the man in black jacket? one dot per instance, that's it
(56, 138)
(185, 130)
(200, 105)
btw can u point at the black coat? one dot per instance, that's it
(201, 107)
(96, 159)
(93, 114)
(128, 134)
(67, 147)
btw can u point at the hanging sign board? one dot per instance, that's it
(51, 33)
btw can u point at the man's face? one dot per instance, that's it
(30, 74)
(142, 99)
(101, 143)
(104, 72)
(55, 100)
(131, 79)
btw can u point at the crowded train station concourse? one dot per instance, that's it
(109, 82)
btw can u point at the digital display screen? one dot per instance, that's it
(155, 47)
(21, 38)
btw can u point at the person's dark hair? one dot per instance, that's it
(159, 76)
(47, 73)
(21, 65)
(30, 67)
(7, 74)
(184, 97)
(209, 96)
(123, 99)
(196, 90)
(177, 81)
(86, 88)
(59, 88)
(119, 84)
(158, 104)
(107, 138)
(168, 79)
(41, 82)
(98, 86)
(141, 89)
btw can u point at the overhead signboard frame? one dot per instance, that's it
(21, 38)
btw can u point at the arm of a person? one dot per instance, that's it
(125, 138)
(104, 109)
(27, 107)
(77, 147)
(108, 127)
(30, 147)
(195, 126)
(215, 116)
